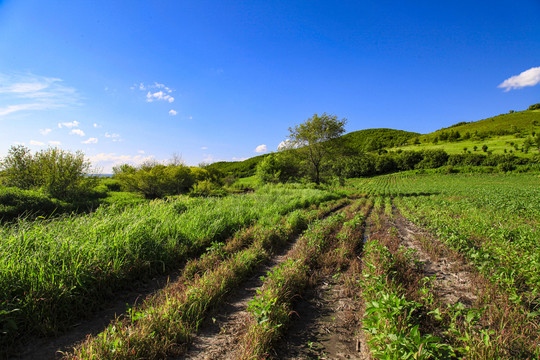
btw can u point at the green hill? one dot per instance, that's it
(506, 133)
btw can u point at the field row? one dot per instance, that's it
(52, 273)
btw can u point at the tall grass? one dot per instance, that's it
(52, 272)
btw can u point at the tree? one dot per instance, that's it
(315, 140)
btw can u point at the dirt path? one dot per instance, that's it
(326, 323)
(220, 332)
(453, 281)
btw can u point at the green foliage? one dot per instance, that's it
(535, 107)
(278, 168)
(58, 173)
(156, 180)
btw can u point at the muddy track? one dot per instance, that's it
(454, 282)
(325, 327)
(328, 317)
(220, 332)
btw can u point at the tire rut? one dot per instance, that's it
(220, 331)
(453, 282)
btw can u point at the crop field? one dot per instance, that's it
(407, 266)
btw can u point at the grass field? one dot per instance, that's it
(418, 266)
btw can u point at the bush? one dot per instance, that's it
(58, 173)
(154, 180)
(277, 168)
(535, 107)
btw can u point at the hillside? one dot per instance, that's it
(356, 141)
(505, 133)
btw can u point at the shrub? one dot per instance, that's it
(535, 107)
(58, 173)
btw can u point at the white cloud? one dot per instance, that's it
(34, 142)
(55, 142)
(69, 124)
(234, 158)
(191, 118)
(204, 148)
(529, 77)
(261, 149)
(156, 92)
(44, 131)
(172, 112)
(159, 95)
(90, 141)
(285, 144)
(96, 125)
(77, 132)
(140, 151)
(113, 137)
(29, 92)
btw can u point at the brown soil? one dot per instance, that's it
(453, 279)
(220, 332)
(326, 325)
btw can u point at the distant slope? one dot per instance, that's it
(502, 134)
(504, 124)
(374, 139)
(356, 141)
(238, 168)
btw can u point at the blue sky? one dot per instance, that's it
(124, 81)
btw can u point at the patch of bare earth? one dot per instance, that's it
(453, 279)
(220, 332)
(326, 325)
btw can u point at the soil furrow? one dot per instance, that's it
(221, 330)
(326, 324)
(452, 282)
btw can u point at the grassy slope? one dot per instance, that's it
(522, 123)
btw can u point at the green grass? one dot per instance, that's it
(52, 272)
(491, 219)
(497, 145)
(518, 121)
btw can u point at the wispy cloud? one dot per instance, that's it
(34, 142)
(529, 77)
(261, 149)
(90, 141)
(55, 142)
(44, 131)
(96, 125)
(29, 92)
(172, 112)
(69, 124)
(204, 148)
(77, 132)
(141, 151)
(113, 137)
